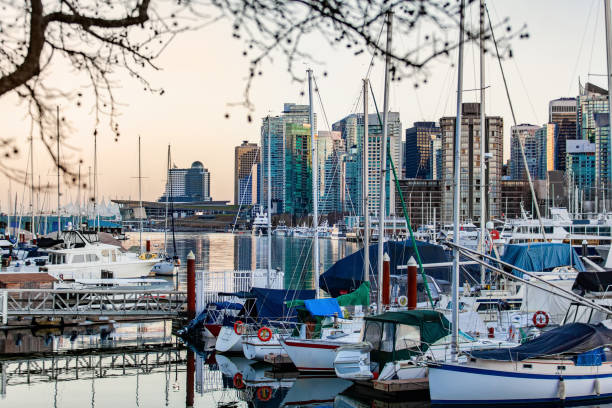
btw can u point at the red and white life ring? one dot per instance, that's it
(494, 234)
(238, 327)
(237, 380)
(540, 319)
(264, 334)
(264, 393)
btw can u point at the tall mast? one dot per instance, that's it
(383, 163)
(59, 220)
(32, 223)
(365, 188)
(315, 189)
(95, 186)
(139, 197)
(79, 196)
(609, 71)
(457, 193)
(166, 210)
(483, 141)
(269, 204)
(8, 213)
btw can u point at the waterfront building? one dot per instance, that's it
(514, 194)
(188, 185)
(423, 200)
(419, 155)
(298, 169)
(545, 150)
(580, 161)
(591, 100)
(435, 164)
(330, 148)
(525, 134)
(246, 156)
(563, 113)
(603, 161)
(470, 164)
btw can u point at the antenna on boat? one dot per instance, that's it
(457, 192)
(383, 163)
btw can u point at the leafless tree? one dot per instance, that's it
(100, 38)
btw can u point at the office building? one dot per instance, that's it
(563, 113)
(580, 160)
(246, 156)
(545, 149)
(330, 147)
(603, 162)
(470, 182)
(188, 185)
(298, 170)
(523, 134)
(423, 200)
(419, 155)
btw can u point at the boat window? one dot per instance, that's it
(527, 366)
(407, 337)
(387, 338)
(56, 259)
(92, 258)
(78, 259)
(373, 333)
(105, 253)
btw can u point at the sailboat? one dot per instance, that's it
(168, 266)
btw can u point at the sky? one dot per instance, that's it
(203, 74)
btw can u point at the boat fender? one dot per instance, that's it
(402, 301)
(540, 319)
(561, 389)
(596, 387)
(238, 327)
(237, 380)
(264, 334)
(264, 393)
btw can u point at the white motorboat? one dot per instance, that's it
(281, 230)
(569, 364)
(166, 267)
(260, 223)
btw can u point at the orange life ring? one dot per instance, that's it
(264, 393)
(540, 319)
(261, 336)
(238, 327)
(238, 383)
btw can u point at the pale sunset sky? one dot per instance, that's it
(203, 72)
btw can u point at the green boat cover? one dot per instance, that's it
(361, 296)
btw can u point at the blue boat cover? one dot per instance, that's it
(541, 257)
(574, 338)
(347, 274)
(225, 305)
(323, 307)
(270, 303)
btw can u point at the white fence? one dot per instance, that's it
(4, 306)
(210, 283)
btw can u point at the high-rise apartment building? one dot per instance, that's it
(580, 159)
(563, 113)
(603, 161)
(419, 155)
(330, 147)
(470, 181)
(188, 185)
(246, 156)
(523, 134)
(298, 169)
(545, 147)
(292, 114)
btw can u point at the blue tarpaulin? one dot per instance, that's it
(347, 274)
(323, 307)
(270, 303)
(541, 257)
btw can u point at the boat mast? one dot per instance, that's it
(457, 192)
(7, 231)
(59, 220)
(166, 210)
(364, 176)
(32, 223)
(269, 204)
(95, 184)
(483, 138)
(383, 163)
(609, 69)
(315, 190)
(139, 197)
(78, 196)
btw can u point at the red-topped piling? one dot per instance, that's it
(191, 292)
(411, 288)
(386, 280)
(148, 245)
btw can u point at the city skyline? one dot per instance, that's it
(188, 120)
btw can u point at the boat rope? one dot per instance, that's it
(406, 216)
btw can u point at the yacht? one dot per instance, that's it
(82, 256)
(260, 223)
(281, 230)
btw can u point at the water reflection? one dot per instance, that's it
(227, 252)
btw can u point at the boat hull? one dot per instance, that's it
(255, 349)
(464, 384)
(314, 356)
(228, 341)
